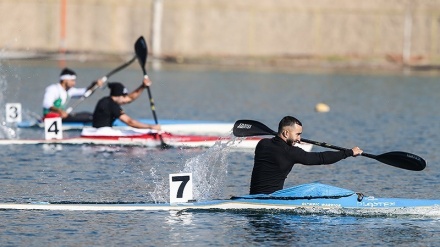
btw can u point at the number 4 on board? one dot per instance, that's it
(53, 128)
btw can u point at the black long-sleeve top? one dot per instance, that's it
(106, 112)
(274, 160)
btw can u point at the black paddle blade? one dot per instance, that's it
(243, 128)
(141, 49)
(402, 160)
(165, 146)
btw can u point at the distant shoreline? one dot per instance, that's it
(265, 63)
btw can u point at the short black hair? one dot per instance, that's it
(287, 121)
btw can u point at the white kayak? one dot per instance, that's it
(168, 125)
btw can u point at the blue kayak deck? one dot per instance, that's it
(37, 124)
(304, 191)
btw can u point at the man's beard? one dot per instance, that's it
(290, 142)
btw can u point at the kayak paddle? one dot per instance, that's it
(141, 50)
(408, 161)
(93, 89)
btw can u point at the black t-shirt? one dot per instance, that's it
(274, 160)
(106, 112)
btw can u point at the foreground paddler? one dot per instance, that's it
(275, 157)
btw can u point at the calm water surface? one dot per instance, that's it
(379, 113)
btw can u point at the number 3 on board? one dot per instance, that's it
(53, 128)
(13, 112)
(181, 188)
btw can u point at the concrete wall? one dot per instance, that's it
(109, 26)
(245, 28)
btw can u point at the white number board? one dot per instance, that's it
(181, 188)
(53, 128)
(13, 112)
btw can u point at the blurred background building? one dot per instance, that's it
(373, 31)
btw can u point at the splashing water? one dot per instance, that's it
(209, 171)
(161, 190)
(5, 130)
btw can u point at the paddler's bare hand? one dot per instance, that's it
(146, 82)
(100, 82)
(357, 151)
(92, 86)
(63, 114)
(156, 127)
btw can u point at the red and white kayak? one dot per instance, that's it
(145, 138)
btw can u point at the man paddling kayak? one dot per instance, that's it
(275, 157)
(108, 109)
(57, 96)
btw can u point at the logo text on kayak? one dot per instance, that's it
(244, 126)
(413, 157)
